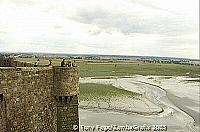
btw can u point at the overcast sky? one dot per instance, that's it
(122, 27)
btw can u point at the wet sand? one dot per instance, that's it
(181, 103)
(176, 115)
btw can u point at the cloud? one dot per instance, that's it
(149, 23)
(128, 27)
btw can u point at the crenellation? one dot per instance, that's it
(38, 98)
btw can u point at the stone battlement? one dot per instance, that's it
(37, 99)
(11, 62)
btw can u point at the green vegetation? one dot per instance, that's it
(125, 68)
(92, 69)
(92, 91)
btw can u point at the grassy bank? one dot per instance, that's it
(138, 68)
(92, 91)
(124, 68)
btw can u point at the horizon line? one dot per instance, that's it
(34, 52)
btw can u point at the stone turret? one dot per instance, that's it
(66, 90)
(66, 81)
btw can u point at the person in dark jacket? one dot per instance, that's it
(37, 63)
(63, 63)
(50, 63)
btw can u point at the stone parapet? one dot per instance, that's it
(66, 81)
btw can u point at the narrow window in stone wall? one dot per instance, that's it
(71, 97)
(1, 98)
(4, 62)
(3, 124)
(60, 98)
(66, 99)
(1, 107)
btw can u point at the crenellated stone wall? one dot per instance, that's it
(6, 62)
(11, 62)
(39, 99)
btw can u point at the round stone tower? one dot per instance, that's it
(66, 91)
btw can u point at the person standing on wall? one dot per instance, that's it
(37, 63)
(70, 64)
(63, 63)
(74, 64)
(50, 63)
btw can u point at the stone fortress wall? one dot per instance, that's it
(10, 62)
(34, 99)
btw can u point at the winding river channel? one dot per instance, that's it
(175, 117)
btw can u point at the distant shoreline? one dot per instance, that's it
(103, 55)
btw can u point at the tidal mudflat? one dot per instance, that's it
(170, 101)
